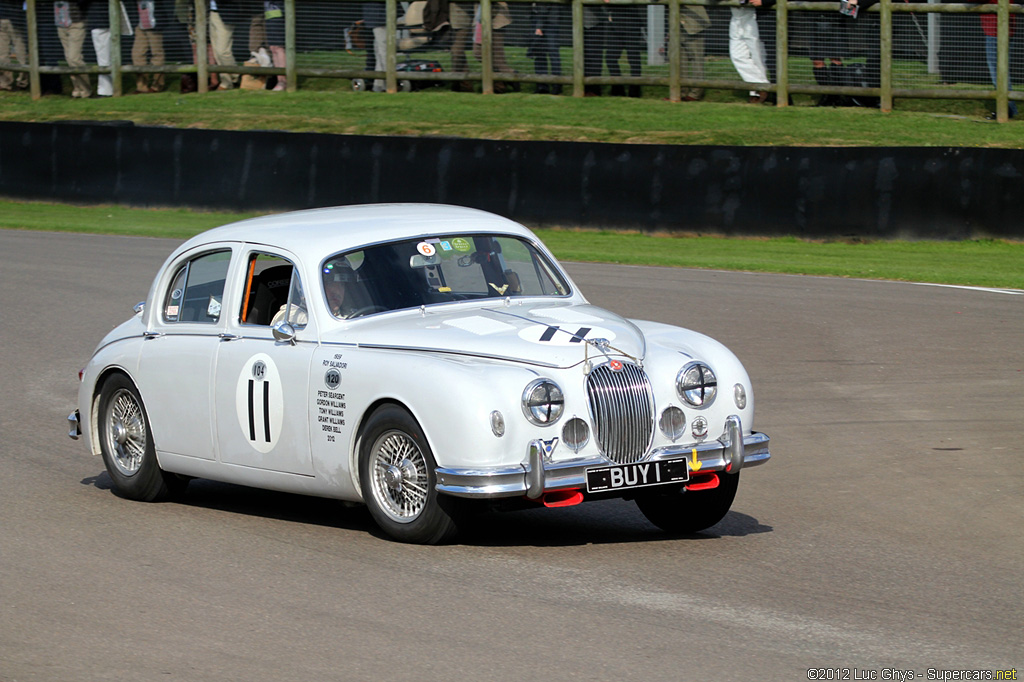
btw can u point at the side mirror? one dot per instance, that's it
(284, 332)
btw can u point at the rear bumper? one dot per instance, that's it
(539, 475)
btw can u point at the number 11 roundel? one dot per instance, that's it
(259, 402)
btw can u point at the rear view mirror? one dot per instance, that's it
(417, 261)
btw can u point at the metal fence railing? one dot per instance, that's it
(924, 50)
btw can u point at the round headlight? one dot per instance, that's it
(672, 423)
(576, 434)
(543, 402)
(739, 394)
(696, 384)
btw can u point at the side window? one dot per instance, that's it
(272, 292)
(197, 290)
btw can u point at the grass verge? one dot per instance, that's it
(988, 263)
(722, 119)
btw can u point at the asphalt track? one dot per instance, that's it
(886, 533)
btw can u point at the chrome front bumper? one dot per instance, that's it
(538, 475)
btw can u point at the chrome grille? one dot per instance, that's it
(622, 410)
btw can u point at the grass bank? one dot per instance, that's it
(990, 263)
(721, 120)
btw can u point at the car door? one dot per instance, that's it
(176, 361)
(261, 384)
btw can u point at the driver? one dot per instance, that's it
(338, 279)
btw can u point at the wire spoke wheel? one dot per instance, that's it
(397, 479)
(126, 441)
(125, 433)
(399, 472)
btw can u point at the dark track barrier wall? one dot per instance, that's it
(938, 193)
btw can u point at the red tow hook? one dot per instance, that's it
(708, 481)
(561, 498)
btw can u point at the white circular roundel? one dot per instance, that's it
(259, 402)
(564, 334)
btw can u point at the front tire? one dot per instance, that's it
(396, 475)
(126, 443)
(690, 511)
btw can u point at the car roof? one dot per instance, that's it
(318, 232)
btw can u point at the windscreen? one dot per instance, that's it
(436, 270)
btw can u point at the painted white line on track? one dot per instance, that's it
(1011, 292)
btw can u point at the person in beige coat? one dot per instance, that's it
(694, 20)
(462, 22)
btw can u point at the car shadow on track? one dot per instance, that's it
(598, 522)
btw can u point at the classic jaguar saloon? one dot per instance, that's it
(420, 359)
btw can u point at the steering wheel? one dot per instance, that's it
(365, 310)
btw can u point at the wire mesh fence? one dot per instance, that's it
(579, 47)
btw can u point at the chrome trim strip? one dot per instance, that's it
(445, 351)
(520, 479)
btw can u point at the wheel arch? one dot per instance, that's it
(94, 402)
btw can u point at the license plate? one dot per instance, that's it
(639, 475)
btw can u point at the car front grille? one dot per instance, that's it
(622, 408)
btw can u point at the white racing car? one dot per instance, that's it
(420, 359)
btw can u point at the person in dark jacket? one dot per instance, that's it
(544, 43)
(624, 36)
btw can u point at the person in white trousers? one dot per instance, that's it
(746, 49)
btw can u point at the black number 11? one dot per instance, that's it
(266, 411)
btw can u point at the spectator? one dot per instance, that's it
(828, 48)
(596, 22)
(694, 20)
(375, 18)
(989, 23)
(12, 35)
(257, 25)
(831, 44)
(544, 45)
(185, 13)
(624, 35)
(501, 18)
(221, 26)
(69, 18)
(152, 17)
(746, 49)
(273, 14)
(464, 28)
(98, 19)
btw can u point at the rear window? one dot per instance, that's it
(197, 289)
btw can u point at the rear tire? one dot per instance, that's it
(399, 486)
(126, 443)
(690, 511)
